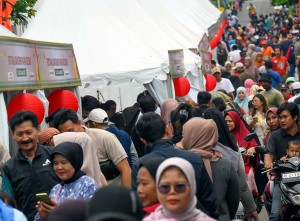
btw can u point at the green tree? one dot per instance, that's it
(22, 10)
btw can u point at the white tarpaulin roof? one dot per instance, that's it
(117, 40)
(5, 32)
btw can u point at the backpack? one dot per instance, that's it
(289, 54)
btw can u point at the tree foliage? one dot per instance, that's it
(23, 9)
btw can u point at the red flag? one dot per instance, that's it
(7, 9)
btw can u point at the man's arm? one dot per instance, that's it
(125, 172)
(6, 186)
(134, 172)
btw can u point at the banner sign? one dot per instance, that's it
(204, 44)
(57, 65)
(18, 66)
(205, 57)
(32, 65)
(176, 63)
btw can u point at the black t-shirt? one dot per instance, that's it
(278, 142)
(284, 46)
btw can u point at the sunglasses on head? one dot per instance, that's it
(165, 188)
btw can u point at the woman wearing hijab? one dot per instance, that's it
(258, 62)
(248, 84)
(67, 159)
(272, 121)
(166, 108)
(176, 189)
(146, 188)
(228, 146)
(242, 98)
(251, 52)
(90, 161)
(251, 69)
(239, 128)
(202, 140)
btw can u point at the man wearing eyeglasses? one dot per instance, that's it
(153, 133)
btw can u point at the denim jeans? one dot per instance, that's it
(292, 70)
(276, 203)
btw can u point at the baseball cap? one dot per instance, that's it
(215, 70)
(290, 79)
(262, 70)
(264, 42)
(238, 65)
(296, 85)
(114, 203)
(97, 115)
(284, 87)
(265, 77)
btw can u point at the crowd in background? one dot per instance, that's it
(184, 161)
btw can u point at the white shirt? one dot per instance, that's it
(234, 56)
(293, 98)
(224, 84)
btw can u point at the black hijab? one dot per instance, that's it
(151, 165)
(74, 154)
(225, 137)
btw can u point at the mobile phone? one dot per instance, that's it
(43, 197)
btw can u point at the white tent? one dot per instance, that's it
(117, 42)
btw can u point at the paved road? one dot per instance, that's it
(262, 7)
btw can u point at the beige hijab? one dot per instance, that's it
(201, 136)
(90, 161)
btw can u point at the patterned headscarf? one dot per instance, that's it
(46, 135)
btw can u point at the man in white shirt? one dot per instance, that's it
(234, 55)
(222, 83)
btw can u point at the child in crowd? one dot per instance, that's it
(292, 150)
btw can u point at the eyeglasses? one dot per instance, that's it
(165, 188)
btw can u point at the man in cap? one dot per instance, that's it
(222, 83)
(285, 91)
(273, 96)
(276, 77)
(296, 91)
(109, 150)
(239, 71)
(289, 81)
(280, 63)
(234, 55)
(267, 51)
(98, 118)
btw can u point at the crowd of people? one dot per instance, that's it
(184, 161)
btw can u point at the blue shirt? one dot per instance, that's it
(276, 78)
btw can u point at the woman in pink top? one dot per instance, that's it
(176, 189)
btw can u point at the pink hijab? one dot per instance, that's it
(248, 84)
(166, 108)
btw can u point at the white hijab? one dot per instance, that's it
(191, 213)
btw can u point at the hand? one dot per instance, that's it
(252, 215)
(253, 122)
(251, 151)
(268, 165)
(44, 209)
(283, 158)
